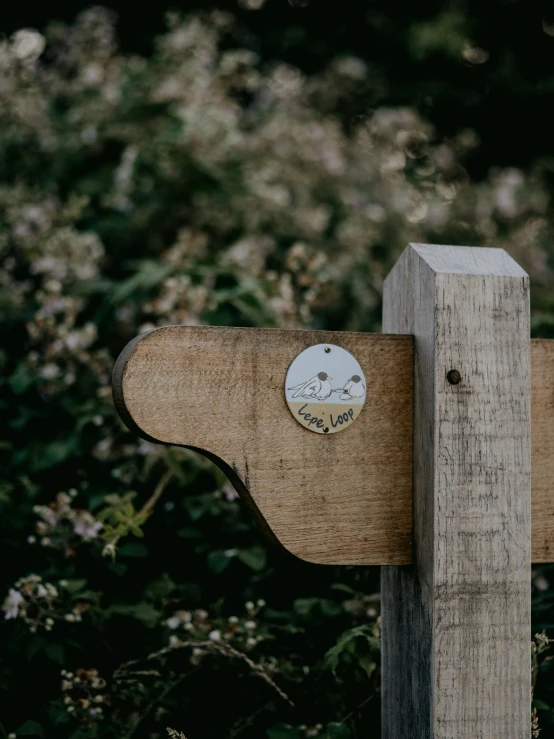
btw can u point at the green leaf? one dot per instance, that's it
(283, 731)
(149, 274)
(359, 646)
(56, 452)
(143, 612)
(343, 588)
(30, 728)
(73, 586)
(305, 606)
(255, 558)
(21, 379)
(35, 646)
(329, 607)
(338, 731)
(55, 652)
(189, 532)
(444, 34)
(133, 549)
(198, 506)
(218, 561)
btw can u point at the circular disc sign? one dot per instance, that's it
(325, 388)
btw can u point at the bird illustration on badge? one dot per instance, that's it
(353, 390)
(317, 387)
(320, 404)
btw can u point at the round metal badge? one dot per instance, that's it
(325, 388)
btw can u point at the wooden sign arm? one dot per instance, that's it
(338, 499)
(167, 389)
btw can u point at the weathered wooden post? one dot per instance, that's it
(456, 623)
(449, 402)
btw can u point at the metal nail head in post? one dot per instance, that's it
(453, 377)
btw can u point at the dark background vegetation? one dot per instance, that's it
(158, 222)
(508, 100)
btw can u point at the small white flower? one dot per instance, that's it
(12, 603)
(109, 550)
(250, 625)
(541, 583)
(27, 44)
(230, 493)
(215, 635)
(249, 606)
(261, 603)
(50, 371)
(146, 447)
(251, 642)
(86, 526)
(233, 620)
(178, 618)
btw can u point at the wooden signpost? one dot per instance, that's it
(443, 469)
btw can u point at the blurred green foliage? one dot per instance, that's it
(200, 184)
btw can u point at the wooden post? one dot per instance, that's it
(456, 623)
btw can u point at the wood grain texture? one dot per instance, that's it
(542, 450)
(397, 359)
(456, 623)
(334, 499)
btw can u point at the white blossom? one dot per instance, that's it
(27, 44)
(11, 604)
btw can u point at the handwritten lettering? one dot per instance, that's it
(312, 420)
(343, 418)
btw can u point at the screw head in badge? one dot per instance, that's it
(325, 388)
